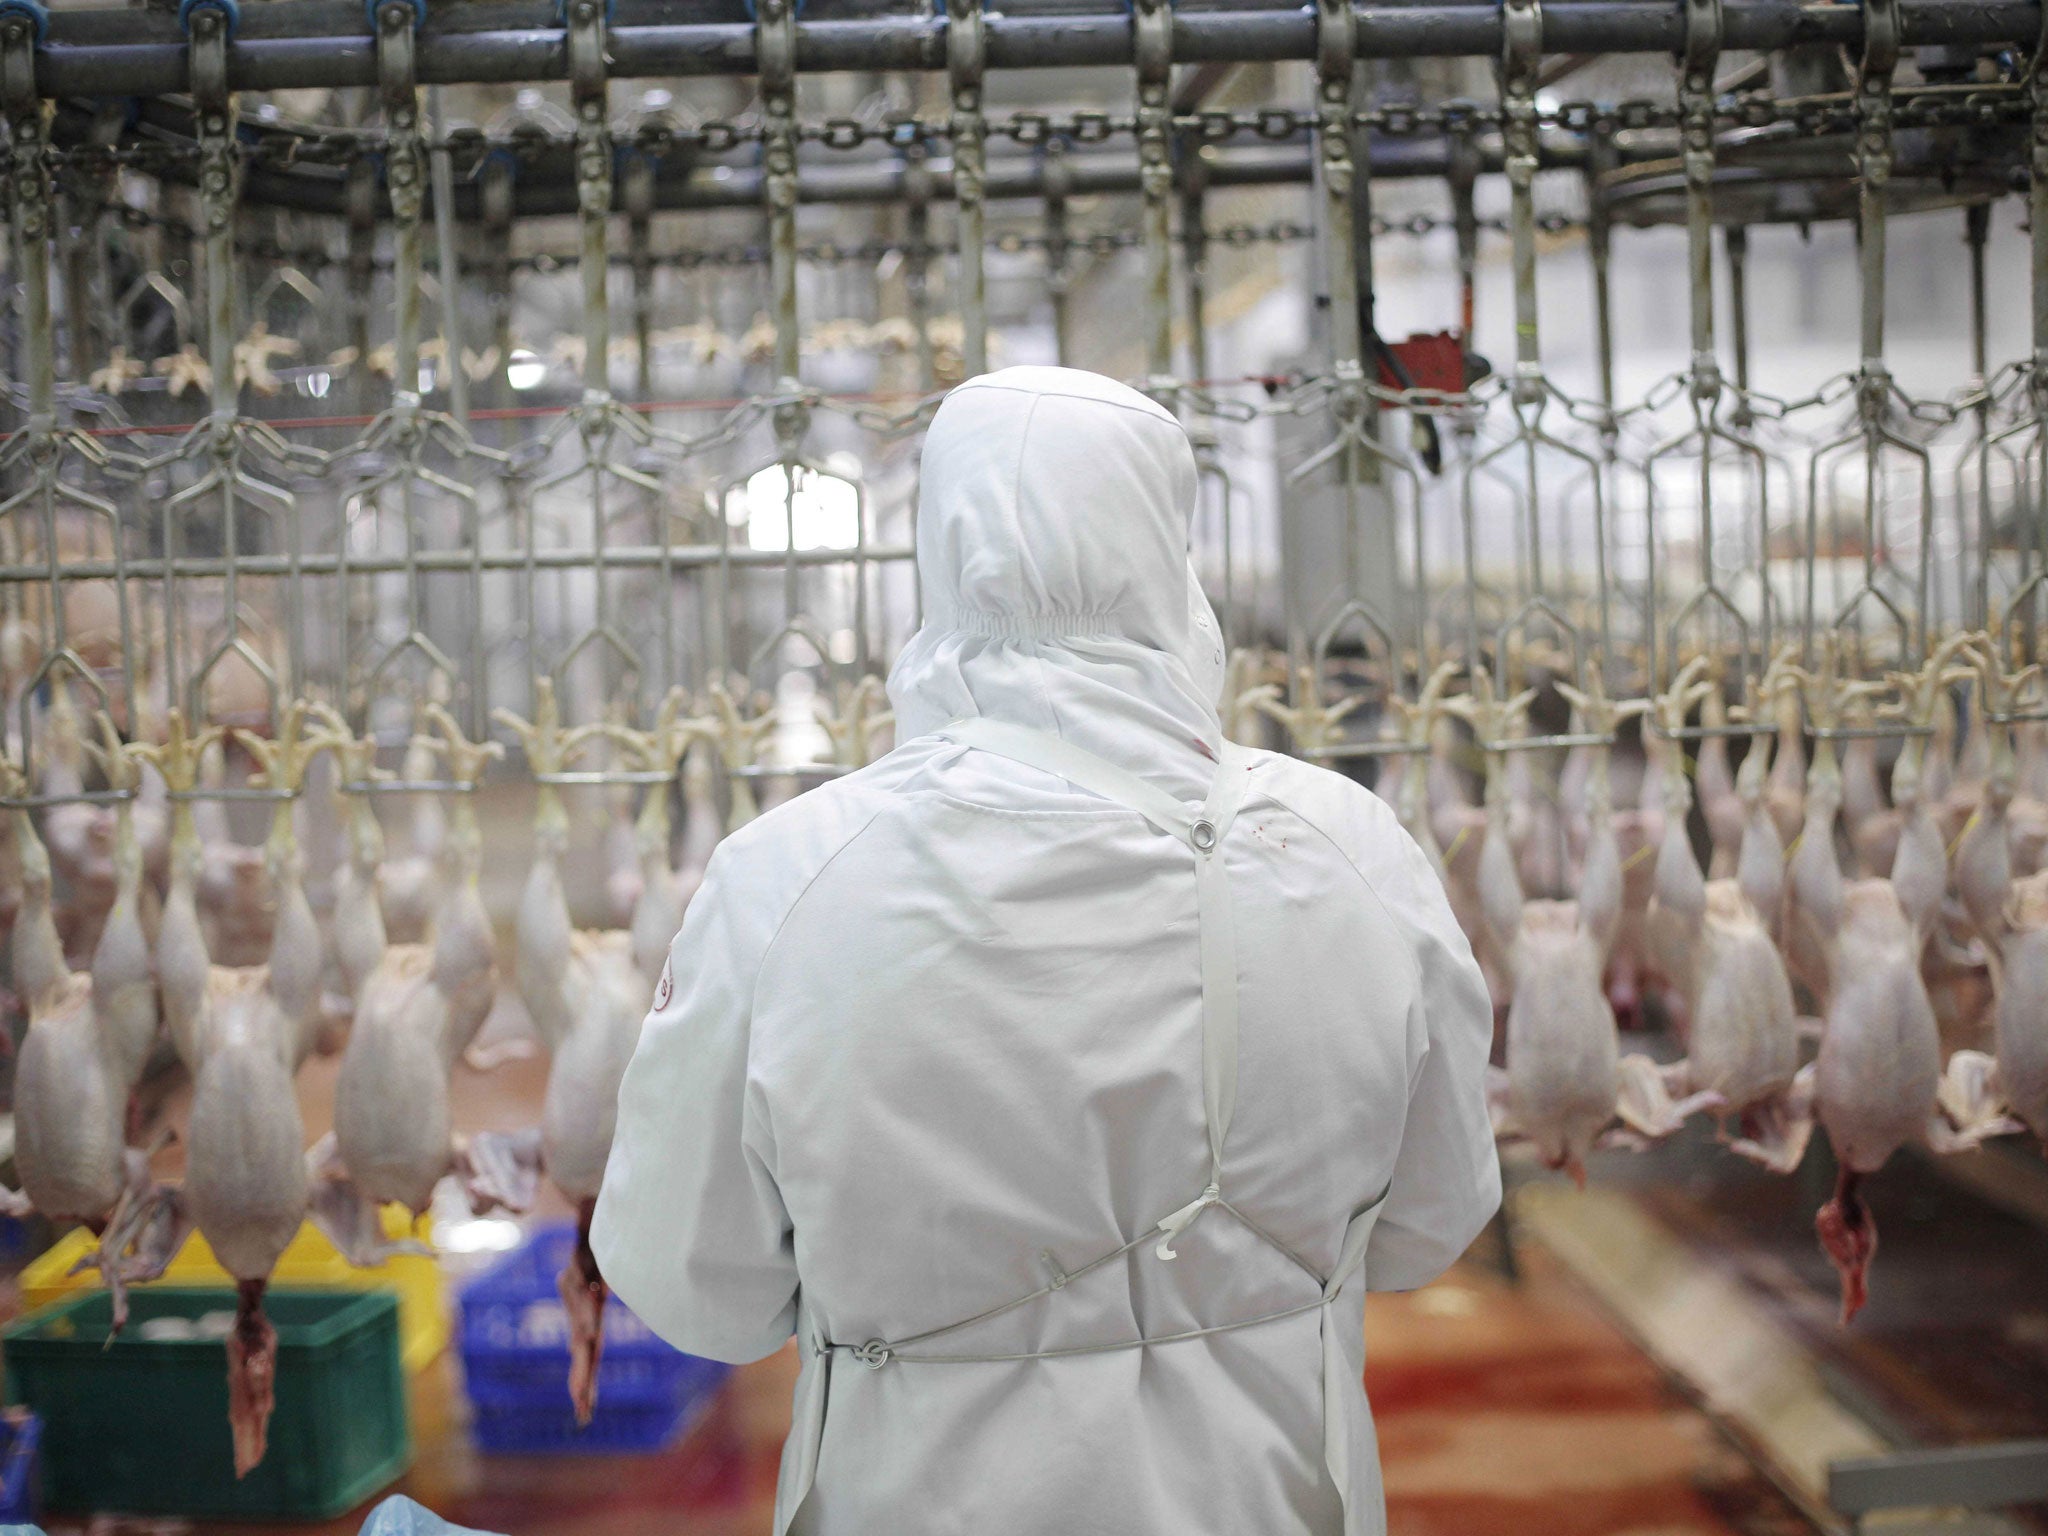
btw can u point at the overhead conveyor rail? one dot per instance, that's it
(295, 44)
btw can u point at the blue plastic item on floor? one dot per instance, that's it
(515, 1363)
(400, 1516)
(17, 1241)
(21, 1439)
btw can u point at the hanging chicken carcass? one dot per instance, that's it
(1713, 938)
(1565, 1082)
(89, 1037)
(417, 1007)
(587, 998)
(1877, 1082)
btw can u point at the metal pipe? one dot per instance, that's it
(1462, 164)
(1058, 250)
(1152, 20)
(917, 226)
(775, 22)
(405, 180)
(1336, 61)
(1735, 240)
(495, 195)
(441, 176)
(217, 167)
(29, 187)
(594, 192)
(638, 192)
(359, 204)
(429, 561)
(1195, 266)
(1526, 40)
(966, 40)
(304, 43)
(1600, 244)
(2037, 379)
(1696, 108)
(1977, 233)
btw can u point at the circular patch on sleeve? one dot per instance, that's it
(666, 987)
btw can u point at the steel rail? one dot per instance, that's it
(459, 561)
(309, 43)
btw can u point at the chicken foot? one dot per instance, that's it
(1848, 1235)
(141, 1235)
(498, 1170)
(349, 1220)
(583, 1294)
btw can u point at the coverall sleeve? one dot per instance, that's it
(690, 1229)
(1446, 1183)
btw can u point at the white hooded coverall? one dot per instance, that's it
(935, 1049)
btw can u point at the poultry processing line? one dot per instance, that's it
(691, 597)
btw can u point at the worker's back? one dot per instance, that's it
(932, 1067)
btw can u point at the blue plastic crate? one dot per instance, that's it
(21, 1442)
(515, 1362)
(508, 1428)
(18, 1241)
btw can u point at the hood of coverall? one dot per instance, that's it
(1052, 543)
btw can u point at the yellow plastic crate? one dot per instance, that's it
(310, 1262)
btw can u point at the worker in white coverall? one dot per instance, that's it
(1063, 1080)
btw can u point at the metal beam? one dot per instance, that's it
(1959, 1477)
(307, 43)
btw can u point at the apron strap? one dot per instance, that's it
(1339, 1385)
(1202, 832)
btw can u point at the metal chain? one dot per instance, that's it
(1101, 242)
(267, 147)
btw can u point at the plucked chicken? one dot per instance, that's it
(244, 1031)
(665, 889)
(234, 884)
(2010, 915)
(1565, 1081)
(89, 1035)
(1877, 1083)
(1457, 828)
(412, 880)
(623, 876)
(417, 1007)
(1713, 939)
(78, 835)
(1714, 780)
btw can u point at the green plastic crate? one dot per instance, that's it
(141, 1427)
